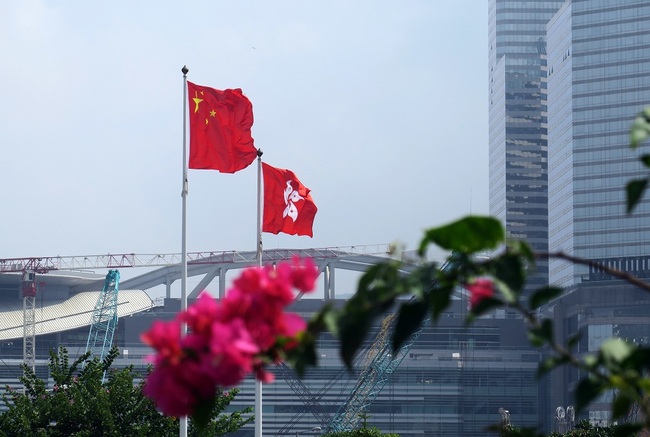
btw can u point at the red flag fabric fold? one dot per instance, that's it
(220, 129)
(288, 205)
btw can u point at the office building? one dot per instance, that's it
(569, 102)
(452, 380)
(598, 80)
(517, 107)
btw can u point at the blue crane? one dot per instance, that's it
(104, 318)
(381, 363)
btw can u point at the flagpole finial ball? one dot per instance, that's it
(185, 70)
(259, 153)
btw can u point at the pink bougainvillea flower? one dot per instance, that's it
(200, 315)
(177, 389)
(304, 274)
(164, 337)
(261, 374)
(293, 324)
(228, 339)
(479, 290)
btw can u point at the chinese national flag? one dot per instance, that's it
(220, 129)
(288, 206)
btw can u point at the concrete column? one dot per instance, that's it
(326, 282)
(222, 283)
(168, 287)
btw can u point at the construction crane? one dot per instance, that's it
(29, 318)
(104, 318)
(313, 400)
(381, 364)
(377, 367)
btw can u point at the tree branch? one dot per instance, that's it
(586, 262)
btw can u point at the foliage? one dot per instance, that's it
(80, 404)
(582, 429)
(638, 133)
(617, 366)
(363, 432)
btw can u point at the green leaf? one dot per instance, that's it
(639, 360)
(615, 351)
(353, 327)
(521, 248)
(410, 317)
(541, 334)
(543, 296)
(573, 340)
(640, 129)
(203, 413)
(645, 159)
(635, 189)
(627, 430)
(621, 406)
(550, 363)
(484, 306)
(376, 293)
(421, 279)
(469, 234)
(439, 300)
(509, 269)
(586, 391)
(304, 355)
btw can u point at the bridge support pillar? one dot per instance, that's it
(328, 282)
(222, 283)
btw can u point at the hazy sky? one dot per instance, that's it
(379, 107)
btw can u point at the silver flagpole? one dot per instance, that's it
(185, 70)
(258, 384)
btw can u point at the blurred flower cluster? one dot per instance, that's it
(227, 339)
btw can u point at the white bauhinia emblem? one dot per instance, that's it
(290, 197)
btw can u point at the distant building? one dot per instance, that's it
(566, 80)
(452, 381)
(598, 81)
(518, 121)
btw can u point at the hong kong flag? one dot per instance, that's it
(288, 206)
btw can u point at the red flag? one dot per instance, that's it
(220, 129)
(288, 206)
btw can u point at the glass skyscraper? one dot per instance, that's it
(566, 81)
(598, 80)
(518, 122)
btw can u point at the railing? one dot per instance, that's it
(84, 262)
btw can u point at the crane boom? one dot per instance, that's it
(381, 364)
(104, 318)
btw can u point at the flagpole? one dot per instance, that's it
(259, 206)
(184, 70)
(258, 384)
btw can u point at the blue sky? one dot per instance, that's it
(379, 107)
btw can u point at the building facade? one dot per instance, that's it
(593, 65)
(598, 80)
(518, 121)
(452, 381)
